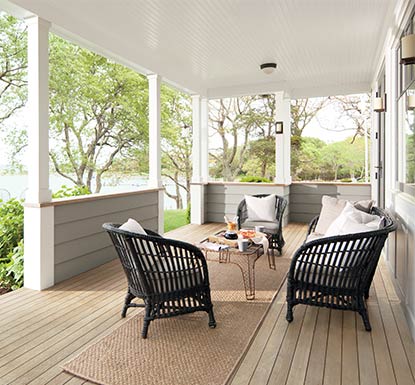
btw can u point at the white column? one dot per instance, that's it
(196, 145)
(39, 218)
(283, 141)
(197, 186)
(154, 118)
(204, 139)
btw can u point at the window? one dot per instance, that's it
(406, 121)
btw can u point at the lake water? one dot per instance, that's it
(15, 186)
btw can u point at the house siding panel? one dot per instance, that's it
(80, 242)
(305, 198)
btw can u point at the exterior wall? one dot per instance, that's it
(305, 198)
(80, 242)
(400, 250)
(400, 255)
(224, 198)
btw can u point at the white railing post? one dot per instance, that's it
(198, 161)
(154, 112)
(283, 141)
(38, 218)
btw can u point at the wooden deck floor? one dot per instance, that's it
(39, 331)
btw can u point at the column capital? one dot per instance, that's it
(153, 77)
(36, 20)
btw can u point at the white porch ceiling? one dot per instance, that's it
(215, 47)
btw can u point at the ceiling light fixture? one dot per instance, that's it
(268, 68)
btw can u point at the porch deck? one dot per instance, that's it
(39, 331)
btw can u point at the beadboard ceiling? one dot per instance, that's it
(215, 47)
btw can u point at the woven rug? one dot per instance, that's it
(184, 350)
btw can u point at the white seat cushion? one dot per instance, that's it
(269, 227)
(261, 209)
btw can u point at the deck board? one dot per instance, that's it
(39, 331)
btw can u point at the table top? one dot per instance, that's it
(223, 247)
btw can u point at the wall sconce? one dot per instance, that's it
(279, 127)
(411, 103)
(408, 49)
(379, 103)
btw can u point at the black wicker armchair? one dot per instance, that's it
(277, 241)
(171, 277)
(336, 272)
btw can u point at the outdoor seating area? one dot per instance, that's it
(46, 330)
(239, 206)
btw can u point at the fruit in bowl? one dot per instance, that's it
(247, 233)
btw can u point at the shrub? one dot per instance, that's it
(346, 180)
(11, 273)
(255, 179)
(11, 244)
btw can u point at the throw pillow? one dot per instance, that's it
(261, 209)
(351, 220)
(133, 227)
(332, 208)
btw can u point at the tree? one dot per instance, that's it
(176, 142)
(303, 111)
(13, 66)
(354, 113)
(98, 110)
(238, 123)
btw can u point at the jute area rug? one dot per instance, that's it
(183, 350)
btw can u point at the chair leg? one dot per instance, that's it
(146, 323)
(212, 322)
(365, 319)
(290, 316)
(128, 298)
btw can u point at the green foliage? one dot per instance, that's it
(11, 227)
(346, 180)
(255, 179)
(245, 129)
(174, 219)
(13, 65)
(65, 191)
(11, 244)
(313, 159)
(176, 141)
(11, 273)
(98, 113)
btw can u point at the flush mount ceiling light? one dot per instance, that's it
(268, 68)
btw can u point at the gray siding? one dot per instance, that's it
(80, 242)
(305, 198)
(224, 198)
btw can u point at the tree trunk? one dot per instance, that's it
(98, 184)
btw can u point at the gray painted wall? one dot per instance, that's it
(305, 198)
(80, 242)
(400, 254)
(224, 198)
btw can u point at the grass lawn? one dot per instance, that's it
(174, 219)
